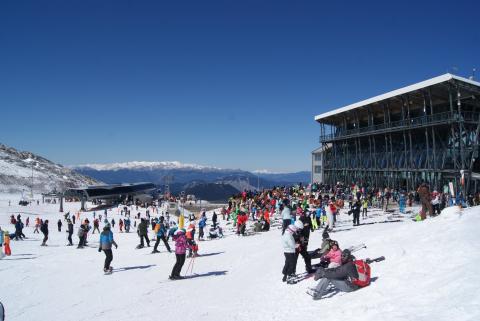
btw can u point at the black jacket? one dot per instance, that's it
(356, 207)
(143, 228)
(44, 228)
(345, 272)
(305, 232)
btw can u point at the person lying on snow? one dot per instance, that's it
(350, 276)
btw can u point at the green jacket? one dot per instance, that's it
(143, 228)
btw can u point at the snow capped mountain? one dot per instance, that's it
(185, 174)
(19, 170)
(141, 165)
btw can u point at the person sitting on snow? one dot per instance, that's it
(334, 256)
(340, 277)
(324, 247)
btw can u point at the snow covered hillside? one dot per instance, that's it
(16, 169)
(430, 273)
(185, 174)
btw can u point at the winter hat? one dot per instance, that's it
(298, 224)
(346, 255)
(333, 242)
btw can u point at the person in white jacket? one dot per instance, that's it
(289, 248)
(286, 215)
(330, 219)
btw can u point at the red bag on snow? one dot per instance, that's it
(363, 270)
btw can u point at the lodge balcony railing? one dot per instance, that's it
(409, 123)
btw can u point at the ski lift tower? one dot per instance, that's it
(31, 187)
(167, 180)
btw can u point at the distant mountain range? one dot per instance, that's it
(20, 170)
(190, 177)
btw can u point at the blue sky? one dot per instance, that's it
(233, 84)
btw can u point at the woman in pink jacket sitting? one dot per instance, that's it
(334, 255)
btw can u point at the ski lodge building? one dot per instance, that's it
(428, 131)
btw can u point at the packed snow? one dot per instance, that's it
(430, 273)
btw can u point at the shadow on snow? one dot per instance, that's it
(138, 267)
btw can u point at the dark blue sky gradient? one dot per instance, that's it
(234, 84)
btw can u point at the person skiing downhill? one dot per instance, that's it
(106, 241)
(160, 231)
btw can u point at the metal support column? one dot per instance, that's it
(434, 147)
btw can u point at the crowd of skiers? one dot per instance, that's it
(298, 210)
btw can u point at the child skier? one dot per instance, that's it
(6, 240)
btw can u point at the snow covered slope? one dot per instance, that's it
(16, 169)
(430, 273)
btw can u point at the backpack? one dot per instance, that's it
(363, 270)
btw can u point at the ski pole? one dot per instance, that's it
(188, 267)
(193, 262)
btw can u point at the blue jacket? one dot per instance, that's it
(106, 240)
(2, 235)
(162, 230)
(203, 222)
